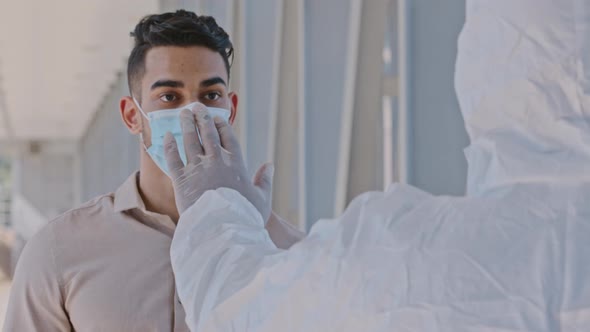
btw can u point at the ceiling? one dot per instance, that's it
(58, 59)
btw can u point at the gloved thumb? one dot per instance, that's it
(264, 176)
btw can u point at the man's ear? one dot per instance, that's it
(130, 115)
(234, 107)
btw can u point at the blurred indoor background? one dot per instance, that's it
(344, 96)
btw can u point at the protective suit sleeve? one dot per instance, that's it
(230, 276)
(218, 250)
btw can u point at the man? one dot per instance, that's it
(105, 266)
(512, 256)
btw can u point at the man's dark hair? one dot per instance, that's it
(181, 28)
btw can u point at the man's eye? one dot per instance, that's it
(168, 98)
(213, 96)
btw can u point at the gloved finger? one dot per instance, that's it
(209, 135)
(228, 139)
(173, 160)
(264, 177)
(192, 145)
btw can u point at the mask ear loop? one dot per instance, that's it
(140, 109)
(146, 117)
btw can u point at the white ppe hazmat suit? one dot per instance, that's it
(514, 255)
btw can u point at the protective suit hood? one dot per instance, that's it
(524, 92)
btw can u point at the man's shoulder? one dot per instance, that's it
(73, 222)
(96, 208)
(69, 226)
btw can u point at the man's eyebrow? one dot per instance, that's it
(168, 84)
(212, 81)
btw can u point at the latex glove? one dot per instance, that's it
(215, 163)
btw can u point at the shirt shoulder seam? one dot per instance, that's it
(93, 202)
(53, 248)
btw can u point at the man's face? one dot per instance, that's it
(177, 76)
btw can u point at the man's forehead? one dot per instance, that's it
(183, 63)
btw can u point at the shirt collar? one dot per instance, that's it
(127, 197)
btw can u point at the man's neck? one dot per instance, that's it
(156, 189)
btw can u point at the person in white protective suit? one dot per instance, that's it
(513, 255)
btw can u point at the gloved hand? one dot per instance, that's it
(215, 163)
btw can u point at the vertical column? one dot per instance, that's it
(262, 28)
(302, 118)
(327, 51)
(365, 170)
(403, 137)
(348, 104)
(238, 82)
(286, 141)
(392, 160)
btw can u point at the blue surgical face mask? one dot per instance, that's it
(168, 120)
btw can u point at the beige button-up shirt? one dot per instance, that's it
(104, 266)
